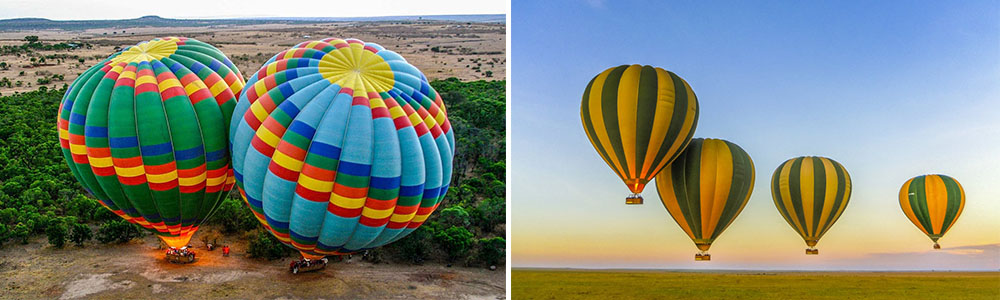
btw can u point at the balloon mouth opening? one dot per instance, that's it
(311, 256)
(703, 247)
(177, 241)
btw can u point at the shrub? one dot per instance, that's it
(80, 234)
(490, 213)
(456, 241)
(234, 216)
(417, 246)
(57, 234)
(21, 233)
(491, 250)
(118, 231)
(264, 245)
(454, 216)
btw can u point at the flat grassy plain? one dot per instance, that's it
(655, 284)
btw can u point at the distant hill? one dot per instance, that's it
(156, 21)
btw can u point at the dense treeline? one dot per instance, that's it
(38, 194)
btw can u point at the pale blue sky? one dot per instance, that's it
(889, 89)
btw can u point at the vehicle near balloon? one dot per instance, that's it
(933, 203)
(145, 132)
(638, 118)
(705, 188)
(811, 193)
(339, 146)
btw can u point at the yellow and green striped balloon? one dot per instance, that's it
(705, 188)
(933, 203)
(638, 118)
(811, 193)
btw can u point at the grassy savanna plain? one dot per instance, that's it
(663, 284)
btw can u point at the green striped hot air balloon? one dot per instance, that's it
(145, 132)
(932, 203)
(705, 188)
(811, 193)
(638, 118)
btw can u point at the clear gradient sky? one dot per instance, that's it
(118, 9)
(889, 90)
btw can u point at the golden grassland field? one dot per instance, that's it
(639, 284)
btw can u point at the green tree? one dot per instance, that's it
(31, 38)
(234, 216)
(454, 216)
(264, 245)
(417, 246)
(118, 231)
(80, 234)
(21, 233)
(455, 241)
(56, 233)
(491, 250)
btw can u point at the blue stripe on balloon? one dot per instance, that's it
(96, 131)
(413, 190)
(123, 142)
(326, 150)
(78, 119)
(189, 153)
(275, 224)
(158, 149)
(215, 155)
(431, 193)
(215, 65)
(302, 129)
(174, 219)
(354, 169)
(255, 203)
(384, 183)
(196, 67)
(289, 108)
(318, 55)
(308, 240)
(286, 89)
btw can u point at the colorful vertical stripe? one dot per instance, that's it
(340, 145)
(706, 187)
(932, 203)
(811, 193)
(638, 118)
(145, 131)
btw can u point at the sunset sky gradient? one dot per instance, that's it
(889, 90)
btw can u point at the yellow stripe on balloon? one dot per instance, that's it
(396, 112)
(268, 137)
(259, 111)
(218, 180)
(78, 149)
(904, 203)
(419, 218)
(145, 79)
(937, 201)
(314, 184)
(847, 192)
(130, 171)
(100, 162)
(260, 87)
(192, 181)
(723, 179)
(628, 99)
(686, 127)
(807, 175)
(347, 203)
(286, 161)
(161, 178)
(194, 86)
(786, 196)
(665, 187)
(597, 120)
(376, 213)
(218, 87)
(402, 218)
(830, 195)
(664, 110)
(169, 83)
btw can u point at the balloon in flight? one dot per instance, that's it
(145, 132)
(705, 188)
(932, 203)
(340, 145)
(811, 193)
(638, 118)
